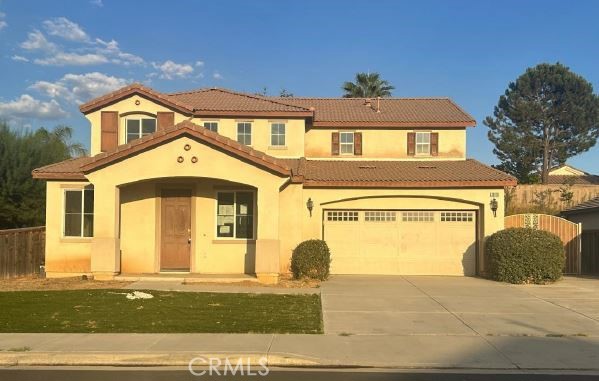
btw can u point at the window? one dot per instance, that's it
(457, 216)
(79, 212)
(235, 215)
(423, 143)
(346, 143)
(139, 127)
(244, 133)
(418, 216)
(212, 126)
(342, 215)
(379, 216)
(277, 134)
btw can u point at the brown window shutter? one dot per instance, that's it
(109, 125)
(357, 143)
(434, 144)
(335, 144)
(411, 143)
(165, 120)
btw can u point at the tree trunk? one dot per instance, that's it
(546, 163)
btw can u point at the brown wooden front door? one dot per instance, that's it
(176, 230)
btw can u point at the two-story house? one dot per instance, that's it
(216, 181)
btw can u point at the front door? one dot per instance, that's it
(176, 230)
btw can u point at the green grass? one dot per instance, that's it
(105, 311)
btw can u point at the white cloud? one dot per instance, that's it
(27, 107)
(3, 23)
(73, 59)
(97, 3)
(79, 88)
(217, 75)
(19, 58)
(172, 70)
(199, 63)
(37, 41)
(65, 28)
(117, 56)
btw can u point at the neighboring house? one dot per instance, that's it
(566, 174)
(216, 181)
(586, 213)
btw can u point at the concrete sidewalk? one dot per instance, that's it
(392, 351)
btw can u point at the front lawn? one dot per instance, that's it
(104, 311)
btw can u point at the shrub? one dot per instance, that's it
(524, 255)
(311, 259)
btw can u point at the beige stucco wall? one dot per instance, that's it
(589, 221)
(388, 143)
(64, 255)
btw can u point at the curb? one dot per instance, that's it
(148, 359)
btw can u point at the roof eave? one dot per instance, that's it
(408, 184)
(326, 124)
(71, 176)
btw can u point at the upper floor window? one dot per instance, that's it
(139, 127)
(79, 212)
(423, 143)
(244, 133)
(346, 142)
(212, 126)
(277, 134)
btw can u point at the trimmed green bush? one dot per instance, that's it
(524, 255)
(311, 259)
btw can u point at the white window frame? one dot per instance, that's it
(342, 215)
(140, 134)
(425, 145)
(342, 144)
(418, 216)
(83, 214)
(234, 237)
(211, 122)
(245, 133)
(278, 134)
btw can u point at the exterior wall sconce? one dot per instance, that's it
(310, 205)
(494, 205)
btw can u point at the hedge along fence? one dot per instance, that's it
(21, 251)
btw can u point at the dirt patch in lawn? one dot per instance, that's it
(75, 283)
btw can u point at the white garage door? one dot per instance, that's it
(424, 242)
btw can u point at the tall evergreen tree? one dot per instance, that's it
(367, 85)
(23, 199)
(546, 116)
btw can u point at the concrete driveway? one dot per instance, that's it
(437, 305)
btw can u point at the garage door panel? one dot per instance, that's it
(406, 243)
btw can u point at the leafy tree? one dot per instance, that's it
(23, 199)
(367, 85)
(548, 115)
(285, 94)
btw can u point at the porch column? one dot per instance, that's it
(267, 242)
(105, 250)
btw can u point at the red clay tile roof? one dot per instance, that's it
(394, 112)
(74, 169)
(221, 100)
(587, 206)
(573, 179)
(402, 174)
(324, 112)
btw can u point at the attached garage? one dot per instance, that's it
(401, 242)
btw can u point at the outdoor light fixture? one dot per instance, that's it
(310, 205)
(494, 204)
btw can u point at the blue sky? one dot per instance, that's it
(56, 54)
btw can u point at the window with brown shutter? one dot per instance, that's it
(109, 126)
(357, 143)
(165, 119)
(434, 144)
(335, 144)
(411, 143)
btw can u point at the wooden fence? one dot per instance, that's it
(538, 198)
(21, 251)
(590, 252)
(569, 232)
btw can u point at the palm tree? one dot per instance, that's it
(367, 85)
